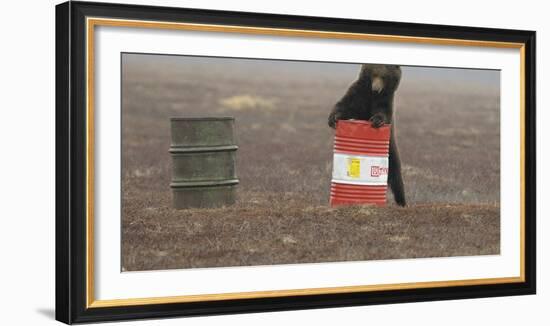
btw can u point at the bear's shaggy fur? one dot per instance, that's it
(370, 98)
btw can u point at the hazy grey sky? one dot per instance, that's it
(320, 69)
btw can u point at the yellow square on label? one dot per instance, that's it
(354, 167)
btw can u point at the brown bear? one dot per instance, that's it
(370, 98)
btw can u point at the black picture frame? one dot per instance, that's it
(71, 156)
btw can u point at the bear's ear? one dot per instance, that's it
(366, 70)
(396, 77)
(398, 73)
(365, 76)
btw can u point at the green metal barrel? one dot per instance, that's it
(203, 162)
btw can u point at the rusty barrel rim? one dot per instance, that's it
(205, 183)
(174, 149)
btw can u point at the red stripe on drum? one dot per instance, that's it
(362, 153)
(383, 143)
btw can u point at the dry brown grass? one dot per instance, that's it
(291, 233)
(449, 142)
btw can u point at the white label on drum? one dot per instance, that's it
(360, 169)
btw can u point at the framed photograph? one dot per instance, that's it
(212, 162)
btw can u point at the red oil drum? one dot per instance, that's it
(360, 165)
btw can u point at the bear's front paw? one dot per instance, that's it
(377, 121)
(333, 117)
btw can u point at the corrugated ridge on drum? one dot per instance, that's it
(349, 151)
(363, 149)
(339, 193)
(362, 140)
(358, 192)
(363, 189)
(367, 146)
(353, 186)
